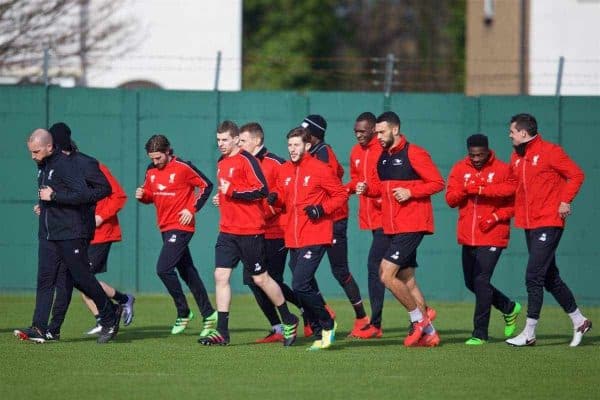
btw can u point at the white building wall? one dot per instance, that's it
(178, 45)
(568, 28)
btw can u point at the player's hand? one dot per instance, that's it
(185, 217)
(45, 193)
(564, 209)
(224, 185)
(401, 194)
(215, 200)
(487, 223)
(139, 193)
(99, 220)
(37, 210)
(271, 198)
(361, 188)
(314, 212)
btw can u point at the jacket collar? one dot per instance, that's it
(399, 146)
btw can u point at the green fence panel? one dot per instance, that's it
(22, 109)
(114, 124)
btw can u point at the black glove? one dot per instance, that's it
(314, 212)
(271, 198)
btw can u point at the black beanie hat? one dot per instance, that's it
(61, 135)
(316, 125)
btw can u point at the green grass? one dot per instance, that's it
(147, 362)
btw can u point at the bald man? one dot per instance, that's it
(63, 238)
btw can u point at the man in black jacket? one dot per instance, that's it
(99, 188)
(64, 236)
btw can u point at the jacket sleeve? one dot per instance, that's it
(422, 163)
(111, 205)
(204, 185)
(568, 169)
(98, 185)
(337, 195)
(256, 187)
(507, 210)
(455, 193)
(374, 186)
(148, 197)
(76, 191)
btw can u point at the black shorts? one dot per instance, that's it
(250, 249)
(98, 255)
(403, 249)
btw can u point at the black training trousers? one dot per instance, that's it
(542, 271)
(175, 254)
(478, 266)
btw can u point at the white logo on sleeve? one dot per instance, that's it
(535, 159)
(308, 255)
(173, 238)
(490, 177)
(257, 267)
(172, 178)
(543, 237)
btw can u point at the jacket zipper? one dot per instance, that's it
(525, 191)
(368, 200)
(295, 207)
(474, 220)
(387, 190)
(46, 212)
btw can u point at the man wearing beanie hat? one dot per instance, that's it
(61, 134)
(103, 228)
(338, 252)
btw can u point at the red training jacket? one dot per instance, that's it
(241, 207)
(324, 152)
(473, 208)
(408, 166)
(304, 184)
(363, 163)
(173, 189)
(546, 176)
(270, 164)
(107, 209)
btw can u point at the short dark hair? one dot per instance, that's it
(367, 116)
(526, 122)
(477, 140)
(255, 130)
(390, 117)
(229, 126)
(300, 132)
(158, 143)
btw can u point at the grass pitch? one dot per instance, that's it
(147, 362)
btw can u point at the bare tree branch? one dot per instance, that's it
(28, 27)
